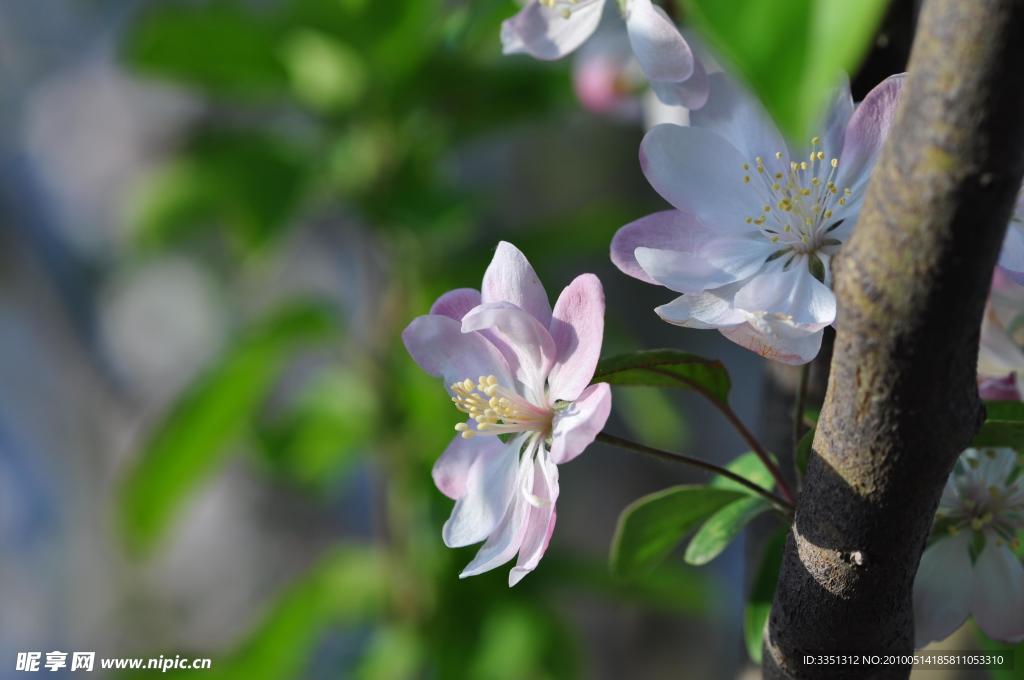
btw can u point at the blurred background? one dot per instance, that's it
(215, 220)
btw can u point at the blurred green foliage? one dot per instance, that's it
(791, 52)
(348, 112)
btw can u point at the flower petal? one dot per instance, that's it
(1011, 257)
(999, 389)
(575, 427)
(699, 172)
(866, 132)
(530, 343)
(691, 93)
(736, 115)
(712, 264)
(665, 230)
(491, 487)
(451, 471)
(710, 309)
(455, 303)
(776, 340)
(659, 47)
(942, 589)
(439, 346)
(792, 294)
(506, 539)
(541, 522)
(577, 327)
(510, 278)
(544, 33)
(997, 600)
(995, 466)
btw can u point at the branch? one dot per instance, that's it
(902, 400)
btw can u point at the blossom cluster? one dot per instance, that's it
(746, 246)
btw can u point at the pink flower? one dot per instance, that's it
(551, 29)
(756, 221)
(521, 373)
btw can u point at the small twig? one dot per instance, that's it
(783, 505)
(757, 448)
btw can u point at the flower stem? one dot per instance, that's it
(757, 448)
(798, 413)
(780, 503)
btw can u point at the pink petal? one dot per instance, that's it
(510, 278)
(526, 338)
(866, 132)
(659, 47)
(577, 327)
(507, 538)
(776, 340)
(666, 230)
(701, 173)
(997, 600)
(455, 303)
(576, 427)
(451, 471)
(942, 589)
(999, 389)
(491, 487)
(541, 523)
(543, 33)
(439, 346)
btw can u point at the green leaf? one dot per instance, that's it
(759, 605)
(1004, 410)
(791, 52)
(1008, 433)
(666, 368)
(722, 527)
(1012, 655)
(650, 527)
(221, 47)
(196, 434)
(803, 451)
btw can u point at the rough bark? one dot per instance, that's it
(902, 400)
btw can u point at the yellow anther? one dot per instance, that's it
(815, 141)
(821, 155)
(842, 201)
(835, 162)
(746, 166)
(778, 155)
(566, 13)
(803, 165)
(767, 208)
(746, 179)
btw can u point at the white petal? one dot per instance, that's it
(942, 589)
(793, 294)
(544, 33)
(713, 264)
(504, 543)
(451, 471)
(541, 522)
(439, 346)
(710, 309)
(511, 278)
(489, 490)
(997, 601)
(701, 173)
(736, 115)
(659, 47)
(529, 341)
(995, 466)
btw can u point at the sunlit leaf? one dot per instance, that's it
(666, 368)
(196, 435)
(759, 605)
(652, 526)
(722, 527)
(791, 52)
(325, 73)
(1004, 425)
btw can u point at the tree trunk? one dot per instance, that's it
(902, 400)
